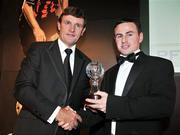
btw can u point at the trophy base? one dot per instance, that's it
(92, 96)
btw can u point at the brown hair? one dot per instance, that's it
(74, 11)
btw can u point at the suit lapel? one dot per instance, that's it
(78, 64)
(56, 60)
(113, 76)
(134, 73)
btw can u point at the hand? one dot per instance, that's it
(58, 11)
(53, 37)
(99, 104)
(68, 126)
(39, 34)
(68, 118)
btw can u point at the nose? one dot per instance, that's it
(124, 39)
(72, 28)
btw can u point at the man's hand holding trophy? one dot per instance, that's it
(95, 72)
(97, 99)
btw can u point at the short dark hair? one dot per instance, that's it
(131, 20)
(74, 11)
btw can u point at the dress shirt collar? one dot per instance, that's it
(63, 46)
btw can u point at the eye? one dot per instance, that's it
(79, 25)
(67, 22)
(130, 34)
(118, 36)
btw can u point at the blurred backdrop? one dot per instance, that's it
(97, 44)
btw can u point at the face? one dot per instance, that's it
(70, 29)
(127, 38)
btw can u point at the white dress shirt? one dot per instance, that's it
(121, 79)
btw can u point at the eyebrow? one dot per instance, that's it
(129, 32)
(125, 33)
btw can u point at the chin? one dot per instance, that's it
(125, 53)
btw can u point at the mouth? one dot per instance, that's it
(125, 47)
(71, 35)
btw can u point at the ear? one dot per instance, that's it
(84, 29)
(58, 26)
(141, 37)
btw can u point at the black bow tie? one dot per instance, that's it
(131, 58)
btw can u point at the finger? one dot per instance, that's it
(65, 126)
(67, 108)
(61, 123)
(74, 124)
(71, 109)
(93, 110)
(99, 93)
(38, 39)
(92, 101)
(68, 128)
(44, 38)
(94, 106)
(79, 118)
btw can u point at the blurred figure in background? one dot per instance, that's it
(37, 21)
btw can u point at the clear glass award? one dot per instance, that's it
(95, 72)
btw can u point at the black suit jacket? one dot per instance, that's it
(147, 101)
(40, 87)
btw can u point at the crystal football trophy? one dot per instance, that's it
(95, 72)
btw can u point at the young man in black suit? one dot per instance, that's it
(52, 100)
(139, 91)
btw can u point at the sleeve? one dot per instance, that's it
(26, 86)
(53, 116)
(90, 118)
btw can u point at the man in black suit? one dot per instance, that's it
(53, 104)
(139, 90)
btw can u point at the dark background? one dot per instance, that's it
(97, 44)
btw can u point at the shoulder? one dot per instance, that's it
(82, 55)
(112, 69)
(41, 44)
(153, 60)
(39, 47)
(159, 60)
(159, 64)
